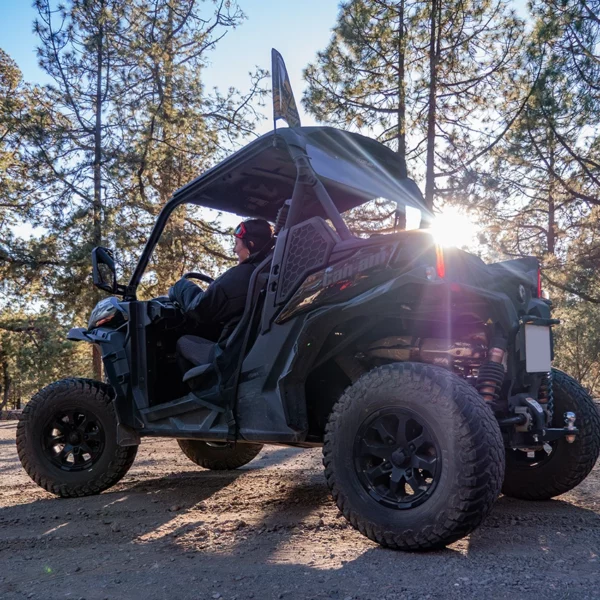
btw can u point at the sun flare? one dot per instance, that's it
(454, 227)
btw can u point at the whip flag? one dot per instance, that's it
(284, 105)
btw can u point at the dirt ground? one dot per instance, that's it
(270, 531)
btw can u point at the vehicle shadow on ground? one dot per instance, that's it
(284, 550)
(535, 529)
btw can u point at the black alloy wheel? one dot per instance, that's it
(397, 458)
(74, 439)
(67, 439)
(413, 456)
(530, 459)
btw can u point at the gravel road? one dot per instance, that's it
(270, 531)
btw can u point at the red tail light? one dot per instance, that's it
(440, 267)
(539, 290)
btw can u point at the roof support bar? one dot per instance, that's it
(161, 221)
(307, 178)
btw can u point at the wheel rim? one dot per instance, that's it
(397, 458)
(74, 439)
(521, 460)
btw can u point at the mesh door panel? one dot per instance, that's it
(308, 248)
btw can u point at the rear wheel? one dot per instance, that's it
(413, 456)
(219, 456)
(67, 439)
(543, 476)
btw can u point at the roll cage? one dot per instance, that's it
(325, 172)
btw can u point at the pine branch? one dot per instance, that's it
(571, 290)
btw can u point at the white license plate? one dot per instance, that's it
(538, 353)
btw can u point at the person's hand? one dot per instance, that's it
(176, 292)
(182, 290)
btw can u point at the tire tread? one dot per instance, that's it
(588, 422)
(476, 427)
(219, 459)
(100, 394)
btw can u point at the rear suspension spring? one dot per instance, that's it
(489, 381)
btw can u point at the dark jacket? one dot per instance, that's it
(223, 302)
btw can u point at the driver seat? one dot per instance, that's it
(200, 351)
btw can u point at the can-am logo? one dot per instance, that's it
(356, 265)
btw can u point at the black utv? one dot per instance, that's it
(424, 373)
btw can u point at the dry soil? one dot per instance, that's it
(171, 530)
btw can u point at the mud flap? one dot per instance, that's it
(126, 436)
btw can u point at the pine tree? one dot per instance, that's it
(539, 191)
(128, 123)
(23, 110)
(360, 80)
(423, 77)
(176, 131)
(542, 189)
(93, 157)
(78, 51)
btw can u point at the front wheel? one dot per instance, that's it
(67, 439)
(545, 475)
(413, 456)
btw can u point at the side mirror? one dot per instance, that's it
(104, 272)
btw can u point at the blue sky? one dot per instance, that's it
(297, 29)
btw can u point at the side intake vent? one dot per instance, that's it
(308, 247)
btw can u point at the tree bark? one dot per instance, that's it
(97, 206)
(431, 111)
(551, 233)
(401, 91)
(6, 382)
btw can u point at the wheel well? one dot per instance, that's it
(324, 386)
(337, 367)
(346, 355)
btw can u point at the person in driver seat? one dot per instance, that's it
(222, 303)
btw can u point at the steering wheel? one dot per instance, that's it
(200, 276)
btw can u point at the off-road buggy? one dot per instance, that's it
(424, 373)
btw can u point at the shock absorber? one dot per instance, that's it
(545, 396)
(491, 374)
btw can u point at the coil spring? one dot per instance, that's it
(489, 381)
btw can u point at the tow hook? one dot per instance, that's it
(570, 423)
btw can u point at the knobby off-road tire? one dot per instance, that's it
(83, 407)
(462, 429)
(568, 464)
(219, 457)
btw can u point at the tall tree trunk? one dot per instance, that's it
(168, 177)
(6, 382)
(401, 91)
(97, 208)
(551, 233)
(431, 112)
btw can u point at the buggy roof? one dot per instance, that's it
(257, 179)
